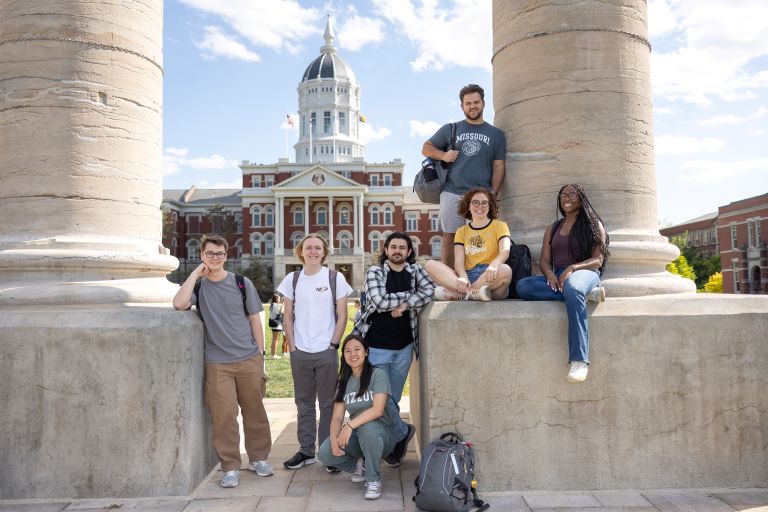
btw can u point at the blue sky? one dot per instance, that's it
(232, 67)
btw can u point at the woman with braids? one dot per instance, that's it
(358, 445)
(573, 254)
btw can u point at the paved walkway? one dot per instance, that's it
(311, 489)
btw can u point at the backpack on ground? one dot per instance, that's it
(446, 481)
(519, 261)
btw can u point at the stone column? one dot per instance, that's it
(306, 215)
(110, 391)
(81, 153)
(571, 90)
(330, 222)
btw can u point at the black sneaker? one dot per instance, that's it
(332, 469)
(398, 452)
(299, 460)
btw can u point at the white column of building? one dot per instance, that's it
(279, 225)
(306, 215)
(330, 221)
(360, 220)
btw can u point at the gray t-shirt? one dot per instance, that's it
(355, 405)
(228, 334)
(478, 145)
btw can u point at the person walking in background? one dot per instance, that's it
(234, 359)
(475, 160)
(480, 251)
(276, 325)
(315, 315)
(396, 290)
(573, 254)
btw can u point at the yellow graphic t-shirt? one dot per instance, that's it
(481, 245)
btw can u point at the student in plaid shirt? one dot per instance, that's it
(396, 289)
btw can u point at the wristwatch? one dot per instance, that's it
(334, 345)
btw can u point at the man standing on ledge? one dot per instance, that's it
(476, 160)
(234, 359)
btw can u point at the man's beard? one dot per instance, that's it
(474, 117)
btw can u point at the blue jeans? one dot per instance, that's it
(475, 272)
(396, 364)
(576, 287)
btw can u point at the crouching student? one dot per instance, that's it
(358, 445)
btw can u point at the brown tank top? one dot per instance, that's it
(561, 256)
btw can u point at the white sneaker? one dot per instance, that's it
(262, 468)
(359, 474)
(373, 490)
(483, 294)
(231, 479)
(275, 356)
(443, 293)
(596, 294)
(578, 371)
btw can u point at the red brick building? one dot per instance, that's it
(700, 233)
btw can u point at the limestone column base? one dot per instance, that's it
(675, 396)
(101, 401)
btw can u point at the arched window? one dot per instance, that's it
(269, 216)
(375, 242)
(256, 244)
(269, 244)
(296, 239)
(321, 216)
(437, 245)
(256, 217)
(174, 247)
(375, 216)
(344, 215)
(388, 216)
(193, 250)
(415, 241)
(298, 216)
(345, 240)
(239, 249)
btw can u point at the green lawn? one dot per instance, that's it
(280, 383)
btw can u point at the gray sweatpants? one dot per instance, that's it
(371, 440)
(314, 378)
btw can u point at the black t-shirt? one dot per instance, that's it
(388, 332)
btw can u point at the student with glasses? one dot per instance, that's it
(234, 359)
(480, 251)
(573, 255)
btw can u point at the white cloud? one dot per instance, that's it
(447, 34)
(661, 19)
(732, 119)
(370, 133)
(175, 161)
(659, 111)
(423, 130)
(677, 145)
(356, 31)
(721, 41)
(216, 43)
(709, 171)
(278, 25)
(238, 183)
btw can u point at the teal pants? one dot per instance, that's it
(372, 440)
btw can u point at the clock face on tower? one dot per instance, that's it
(318, 179)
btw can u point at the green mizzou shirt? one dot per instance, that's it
(355, 405)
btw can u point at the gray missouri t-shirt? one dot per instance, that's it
(478, 145)
(355, 405)
(228, 334)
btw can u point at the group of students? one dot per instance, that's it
(376, 357)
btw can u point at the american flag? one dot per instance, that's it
(289, 120)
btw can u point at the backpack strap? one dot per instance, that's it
(295, 280)
(332, 283)
(240, 280)
(197, 291)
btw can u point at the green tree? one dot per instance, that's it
(702, 267)
(681, 267)
(222, 221)
(261, 275)
(714, 284)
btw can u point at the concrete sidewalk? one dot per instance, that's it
(311, 489)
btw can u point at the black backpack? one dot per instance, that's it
(519, 261)
(446, 481)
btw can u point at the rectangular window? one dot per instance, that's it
(238, 223)
(326, 122)
(256, 181)
(735, 268)
(758, 235)
(374, 180)
(434, 222)
(193, 224)
(343, 122)
(705, 237)
(733, 236)
(751, 233)
(313, 123)
(387, 180)
(269, 181)
(412, 223)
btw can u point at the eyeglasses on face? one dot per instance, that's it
(475, 202)
(216, 255)
(569, 195)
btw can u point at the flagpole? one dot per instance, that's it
(310, 140)
(286, 141)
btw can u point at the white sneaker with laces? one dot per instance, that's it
(596, 294)
(373, 490)
(359, 474)
(483, 294)
(578, 371)
(262, 468)
(231, 478)
(443, 293)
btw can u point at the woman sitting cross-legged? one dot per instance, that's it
(480, 250)
(573, 254)
(362, 390)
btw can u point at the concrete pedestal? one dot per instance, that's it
(102, 401)
(675, 398)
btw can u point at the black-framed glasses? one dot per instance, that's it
(475, 202)
(215, 255)
(569, 195)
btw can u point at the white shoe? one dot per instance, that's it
(578, 371)
(443, 293)
(373, 490)
(596, 294)
(275, 356)
(231, 479)
(262, 468)
(483, 294)
(359, 474)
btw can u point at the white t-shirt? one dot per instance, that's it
(314, 320)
